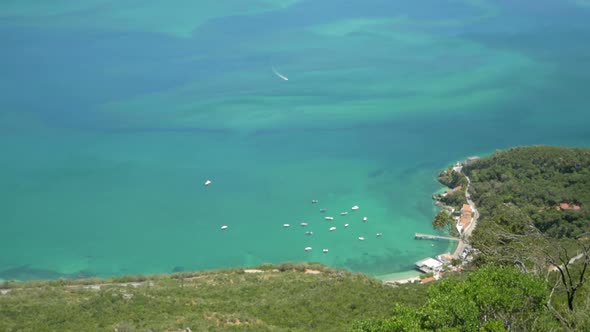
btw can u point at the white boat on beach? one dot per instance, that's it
(361, 238)
(354, 208)
(307, 248)
(329, 218)
(303, 224)
(224, 227)
(286, 225)
(332, 229)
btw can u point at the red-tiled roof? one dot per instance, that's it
(427, 280)
(447, 256)
(466, 208)
(566, 206)
(454, 189)
(465, 215)
(465, 220)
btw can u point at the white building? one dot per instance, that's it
(428, 265)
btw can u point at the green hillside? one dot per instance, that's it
(524, 186)
(282, 298)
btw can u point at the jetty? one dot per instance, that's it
(421, 236)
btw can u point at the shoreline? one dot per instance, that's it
(399, 277)
(465, 234)
(410, 276)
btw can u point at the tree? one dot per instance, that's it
(491, 299)
(572, 280)
(443, 221)
(405, 319)
(452, 179)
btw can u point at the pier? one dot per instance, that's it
(420, 236)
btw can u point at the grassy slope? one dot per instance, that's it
(280, 300)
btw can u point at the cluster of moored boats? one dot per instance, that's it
(328, 218)
(332, 228)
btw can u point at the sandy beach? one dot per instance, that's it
(400, 278)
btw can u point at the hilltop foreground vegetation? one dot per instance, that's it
(529, 274)
(281, 298)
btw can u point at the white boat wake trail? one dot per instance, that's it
(279, 74)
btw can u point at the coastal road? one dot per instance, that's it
(571, 261)
(473, 224)
(467, 231)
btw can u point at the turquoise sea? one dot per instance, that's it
(114, 113)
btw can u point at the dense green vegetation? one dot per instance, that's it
(453, 179)
(524, 186)
(444, 221)
(455, 199)
(283, 298)
(491, 299)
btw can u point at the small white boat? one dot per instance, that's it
(361, 238)
(286, 225)
(303, 224)
(332, 229)
(346, 225)
(365, 219)
(325, 251)
(343, 213)
(314, 201)
(308, 233)
(224, 227)
(354, 208)
(329, 218)
(323, 210)
(379, 234)
(207, 183)
(283, 77)
(307, 248)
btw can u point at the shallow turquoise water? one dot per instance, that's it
(113, 115)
